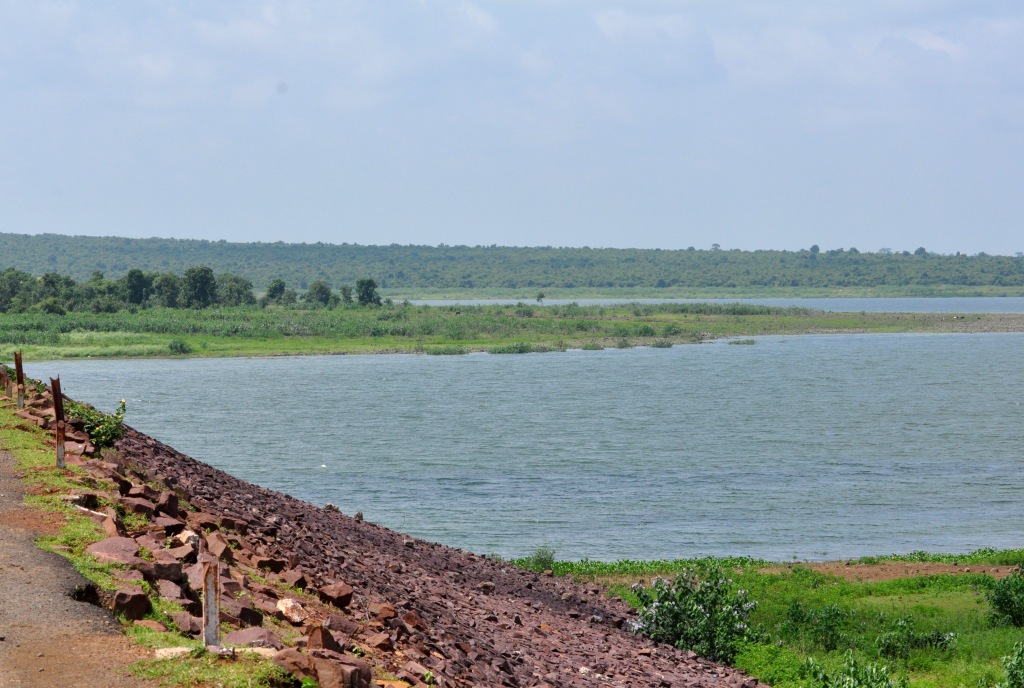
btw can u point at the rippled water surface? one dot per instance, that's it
(811, 446)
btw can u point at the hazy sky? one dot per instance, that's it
(751, 124)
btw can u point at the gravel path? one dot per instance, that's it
(46, 638)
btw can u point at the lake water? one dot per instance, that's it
(964, 304)
(815, 447)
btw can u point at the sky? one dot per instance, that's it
(753, 124)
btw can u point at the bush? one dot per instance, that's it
(180, 347)
(701, 610)
(542, 559)
(903, 637)
(1014, 669)
(853, 674)
(1007, 600)
(103, 428)
(823, 627)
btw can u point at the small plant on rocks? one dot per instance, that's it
(701, 610)
(103, 428)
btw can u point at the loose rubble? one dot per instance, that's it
(346, 602)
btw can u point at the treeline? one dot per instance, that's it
(197, 288)
(496, 267)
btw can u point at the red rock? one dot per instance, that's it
(295, 663)
(171, 526)
(167, 503)
(115, 550)
(185, 553)
(339, 594)
(217, 545)
(413, 619)
(137, 505)
(383, 610)
(199, 521)
(381, 641)
(269, 564)
(169, 590)
(339, 623)
(131, 603)
(253, 637)
(336, 670)
(295, 578)
(321, 638)
(154, 625)
(143, 492)
(113, 527)
(187, 624)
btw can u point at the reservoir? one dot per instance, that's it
(807, 447)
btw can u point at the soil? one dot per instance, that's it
(46, 637)
(867, 573)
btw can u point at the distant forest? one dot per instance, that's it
(497, 267)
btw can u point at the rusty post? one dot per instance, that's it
(211, 603)
(58, 413)
(20, 372)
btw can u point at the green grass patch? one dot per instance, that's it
(203, 669)
(936, 631)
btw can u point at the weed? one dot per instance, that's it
(854, 674)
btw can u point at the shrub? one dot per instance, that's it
(853, 674)
(823, 626)
(103, 428)
(180, 347)
(1007, 600)
(1014, 664)
(701, 610)
(542, 559)
(903, 637)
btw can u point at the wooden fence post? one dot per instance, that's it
(58, 412)
(211, 603)
(20, 372)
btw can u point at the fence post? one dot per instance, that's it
(58, 412)
(20, 372)
(211, 603)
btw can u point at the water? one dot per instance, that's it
(965, 304)
(815, 447)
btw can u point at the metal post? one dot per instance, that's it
(58, 413)
(211, 604)
(20, 372)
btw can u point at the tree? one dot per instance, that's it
(166, 288)
(275, 291)
(136, 286)
(198, 288)
(346, 294)
(921, 251)
(233, 290)
(366, 292)
(318, 293)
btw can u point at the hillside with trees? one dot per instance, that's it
(469, 268)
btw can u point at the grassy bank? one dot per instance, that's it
(436, 329)
(936, 630)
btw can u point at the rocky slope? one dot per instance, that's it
(351, 602)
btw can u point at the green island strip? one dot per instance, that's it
(441, 330)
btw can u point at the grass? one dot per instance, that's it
(446, 330)
(903, 623)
